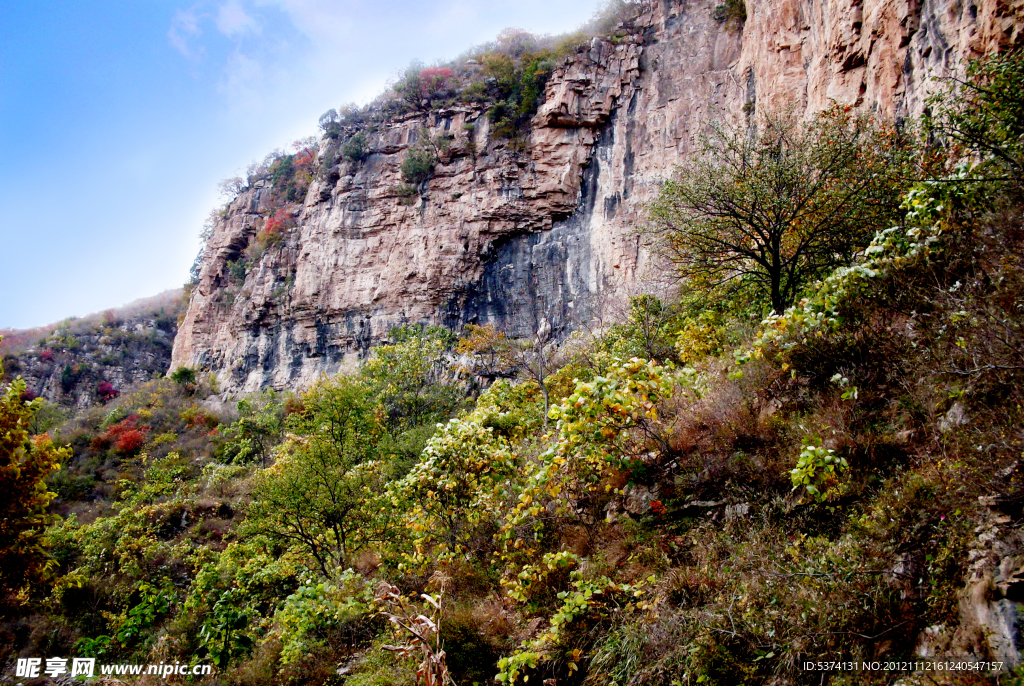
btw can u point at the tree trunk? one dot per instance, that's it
(547, 402)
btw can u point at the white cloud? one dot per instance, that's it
(184, 28)
(323, 21)
(450, 17)
(232, 20)
(243, 78)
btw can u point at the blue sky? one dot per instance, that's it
(117, 120)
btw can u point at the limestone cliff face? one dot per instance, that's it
(509, 237)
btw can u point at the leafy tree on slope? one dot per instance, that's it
(25, 462)
(773, 212)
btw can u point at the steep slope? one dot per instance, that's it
(83, 361)
(510, 237)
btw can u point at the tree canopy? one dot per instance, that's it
(773, 211)
(25, 462)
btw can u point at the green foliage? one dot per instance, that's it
(418, 165)
(413, 377)
(98, 647)
(771, 214)
(596, 420)
(184, 376)
(237, 269)
(71, 375)
(892, 250)
(381, 667)
(25, 463)
(817, 470)
(461, 482)
(356, 148)
(153, 603)
(323, 492)
(649, 535)
(308, 614)
(987, 118)
(47, 417)
(733, 12)
(258, 428)
(223, 637)
(519, 85)
(648, 331)
(600, 597)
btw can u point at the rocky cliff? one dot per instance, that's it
(510, 234)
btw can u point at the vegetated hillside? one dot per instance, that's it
(505, 188)
(79, 362)
(704, 493)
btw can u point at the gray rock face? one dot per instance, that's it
(543, 275)
(69, 365)
(508, 236)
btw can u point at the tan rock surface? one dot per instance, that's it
(506, 237)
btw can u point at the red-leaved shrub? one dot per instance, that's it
(106, 391)
(129, 440)
(126, 436)
(433, 79)
(277, 223)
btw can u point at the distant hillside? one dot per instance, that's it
(84, 360)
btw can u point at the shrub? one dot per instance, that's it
(237, 269)
(106, 391)
(406, 193)
(307, 615)
(433, 80)
(418, 165)
(71, 375)
(733, 12)
(817, 470)
(519, 88)
(126, 436)
(279, 222)
(184, 376)
(356, 148)
(257, 430)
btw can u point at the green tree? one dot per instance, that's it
(986, 118)
(775, 211)
(418, 164)
(223, 636)
(413, 377)
(323, 493)
(25, 462)
(184, 376)
(258, 428)
(356, 148)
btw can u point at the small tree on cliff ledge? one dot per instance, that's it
(773, 212)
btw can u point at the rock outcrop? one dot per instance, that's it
(509, 236)
(91, 360)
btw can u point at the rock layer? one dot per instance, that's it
(507, 236)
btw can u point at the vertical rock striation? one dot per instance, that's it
(507, 236)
